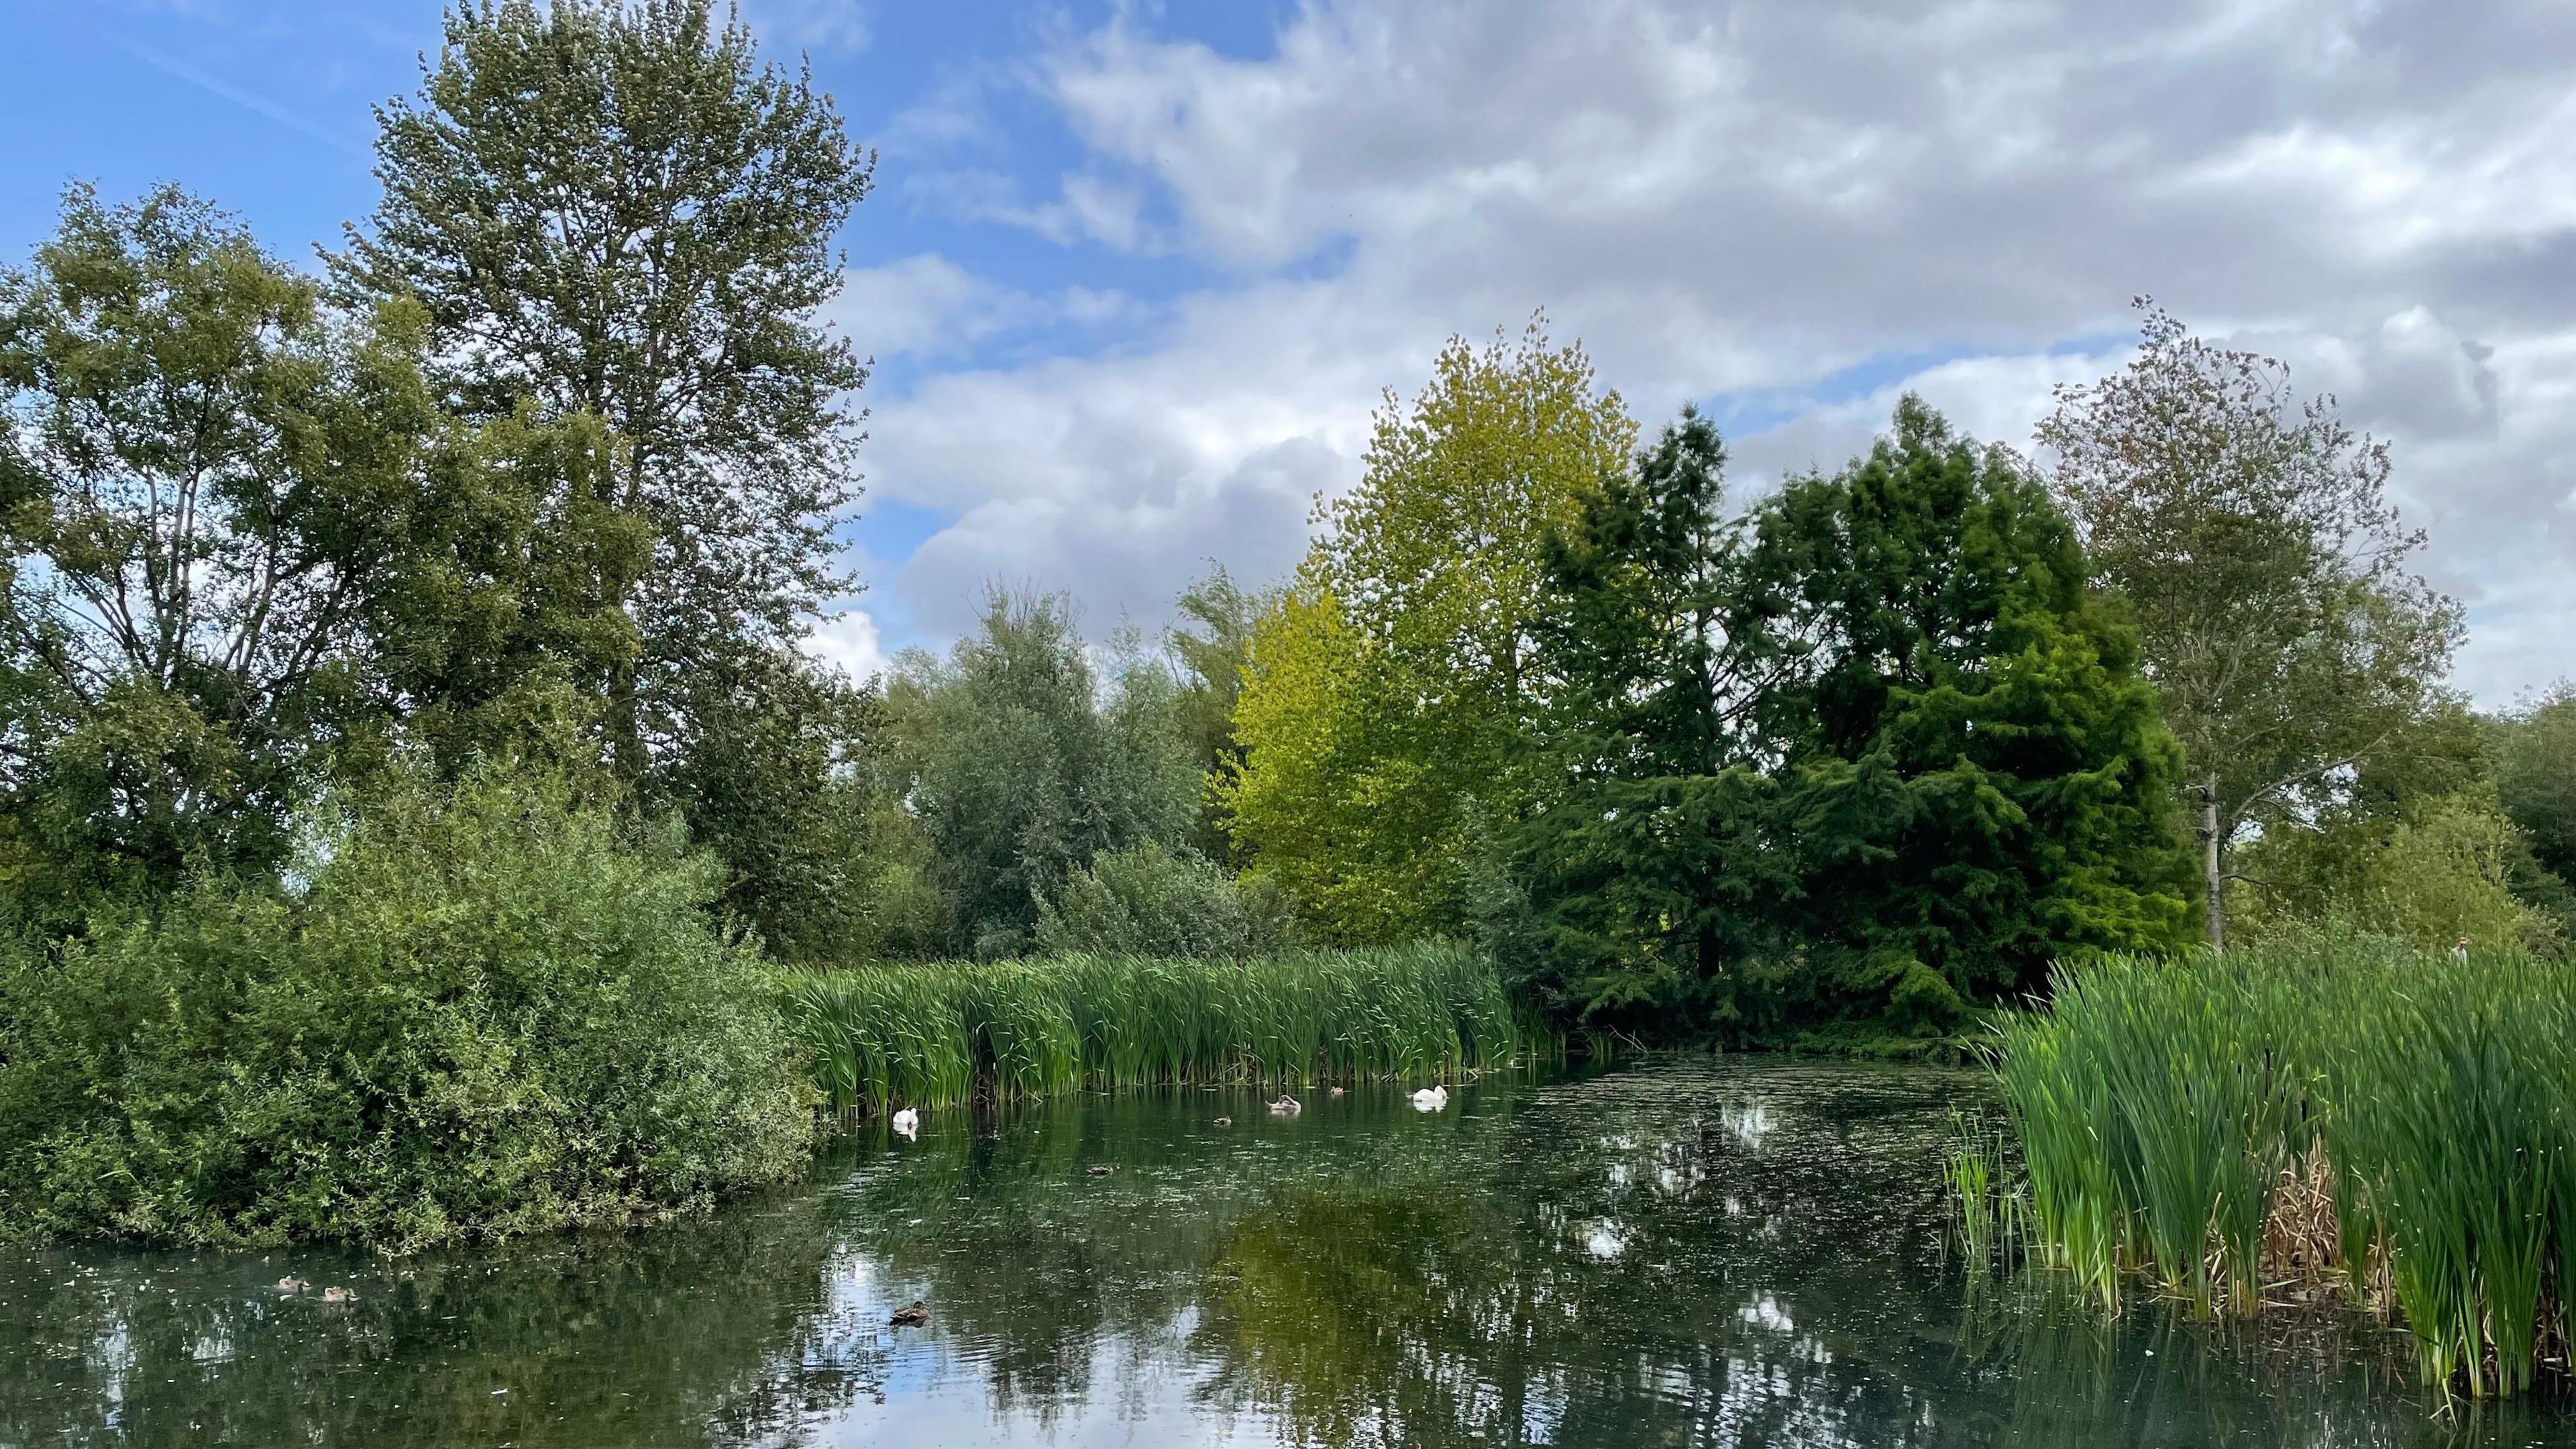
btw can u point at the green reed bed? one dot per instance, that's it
(936, 1034)
(2402, 1124)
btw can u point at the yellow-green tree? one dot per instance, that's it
(1389, 696)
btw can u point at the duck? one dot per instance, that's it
(907, 1123)
(1431, 1099)
(1100, 1169)
(1225, 1121)
(1286, 1106)
(337, 1294)
(292, 1285)
(911, 1315)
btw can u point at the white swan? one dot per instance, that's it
(907, 1123)
(1431, 1099)
(1286, 1106)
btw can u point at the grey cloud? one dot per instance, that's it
(1125, 560)
(1757, 196)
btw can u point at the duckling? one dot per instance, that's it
(913, 1315)
(1286, 1106)
(337, 1294)
(907, 1123)
(292, 1285)
(1225, 1121)
(1100, 1169)
(1431, 1099)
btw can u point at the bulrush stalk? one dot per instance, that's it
(936, 1034)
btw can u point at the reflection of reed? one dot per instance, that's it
(2072, 1376)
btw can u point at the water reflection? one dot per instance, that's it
(1699, 1253)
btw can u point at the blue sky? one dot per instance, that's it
(1136, 274)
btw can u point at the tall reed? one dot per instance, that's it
(934, 1034)
(2161, 1104)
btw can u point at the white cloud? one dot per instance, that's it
(1758, 199)
(922, 304)
(849, 640)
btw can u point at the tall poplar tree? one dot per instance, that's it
(617, 209)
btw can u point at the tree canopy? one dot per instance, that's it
(2252, 534)
(1387, 697)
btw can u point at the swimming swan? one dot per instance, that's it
(1286, 1106)
(908, 1123)
(1431, 1099)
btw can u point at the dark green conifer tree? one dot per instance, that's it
(1974, 777)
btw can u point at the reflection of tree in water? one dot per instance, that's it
(1615, 1268)
(1734, 1253)
(678, 1336)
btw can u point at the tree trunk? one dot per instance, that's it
(2209, 867)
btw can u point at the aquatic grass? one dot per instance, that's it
(2161, 1105)
(1988, 1210)
(934, 1034)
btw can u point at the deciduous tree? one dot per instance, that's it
(1388, 702)
(2269, 574)
(617, 210)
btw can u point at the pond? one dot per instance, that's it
(1733, 1251)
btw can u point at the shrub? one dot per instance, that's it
(1149, 901)
(471, 1014)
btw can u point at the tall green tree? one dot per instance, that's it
(2271, 578)
(1388, 699)
(1021, 767)
(238, 535)
(1655, 869)
(616, 210)
(1973, 774)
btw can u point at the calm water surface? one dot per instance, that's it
(1728, 1252)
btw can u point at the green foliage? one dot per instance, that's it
(925, 1035)
(1873, 754)
(1652, 872)
(1019, 772)
(239, 539)
(2252, 535)
(1149, 901)
(770, 778)
(1973, 771)
(2535, 755)
(1212, 645)
(2157, 1102)
(481, 1012)
(1387, 701)
(616, 211)
(2441, 869)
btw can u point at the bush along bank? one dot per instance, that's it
(485, 1012)
(2399, 1125)
(938, 1034)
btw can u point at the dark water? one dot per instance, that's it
(1737, 1252)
